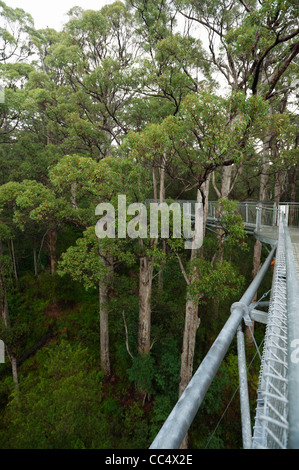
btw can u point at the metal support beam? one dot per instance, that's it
(244, 397)
(271, 424)
(178, 422)
(259, 316)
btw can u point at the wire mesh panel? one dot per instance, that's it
(271, 423)
(294, 215)
(248, 212)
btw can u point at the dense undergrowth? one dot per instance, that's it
(64, 400)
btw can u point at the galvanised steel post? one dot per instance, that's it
(178, 422)
(244, 396)
(258, 215)
(293, 343)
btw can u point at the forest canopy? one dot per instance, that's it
(159, 101)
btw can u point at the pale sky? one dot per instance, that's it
(52, 13)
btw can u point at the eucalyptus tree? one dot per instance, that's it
(15, 34)
(171, 64)
(7, 335)
(16, 49)
(86, 184)
(205, 138)
(94, 62)
(207, 132)
(251, 45)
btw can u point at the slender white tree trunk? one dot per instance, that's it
(145, 293)
(226, 181)
(52, 249)
(104, 286)
(162, 198)
(192, 320)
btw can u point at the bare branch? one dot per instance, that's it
(182, 268)
(127, 336)
(215, 186)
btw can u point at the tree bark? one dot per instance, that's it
(257, 251)
(52, 248)
(226, 181)
(14, 261)
(6, 319)
(104, 285)
(145, 293)
(11, 355)
(192, 320)
(162, 198)
(35, 262)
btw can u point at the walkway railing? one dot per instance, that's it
(277, 413)
(271, 419)
(178, 422)
(254, 214)
(257, 214)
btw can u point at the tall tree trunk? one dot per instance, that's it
(191, 324)
(11, 355)
(257, 251)
(226, 181)
(191, 311)
(14, 261)
(145, 293)
(6, 319)
(225, 190)
(74, 195)
(104, 286)
(52, 248)
(162, 198)
(192, 320)
(280, 175)
(155, 185)
(262, 197)
(35, 262)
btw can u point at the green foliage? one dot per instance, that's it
(13, 336)
(136, 428)
(232, 224)
(222, 274)
(121, 98)
(142, 372)
(60, 407)
(167, 369)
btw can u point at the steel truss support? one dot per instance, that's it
(244, 397)
(271, 420)
(178, 422)
(293, 342)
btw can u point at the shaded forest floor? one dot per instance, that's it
(66, 402)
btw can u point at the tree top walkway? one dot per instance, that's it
(276, 423)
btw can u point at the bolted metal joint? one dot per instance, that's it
(240, 306)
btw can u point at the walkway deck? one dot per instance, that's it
(277, 411)
(270, 234)
(296, 256)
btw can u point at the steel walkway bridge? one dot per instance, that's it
(276, 422)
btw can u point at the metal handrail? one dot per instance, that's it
(180, 419)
